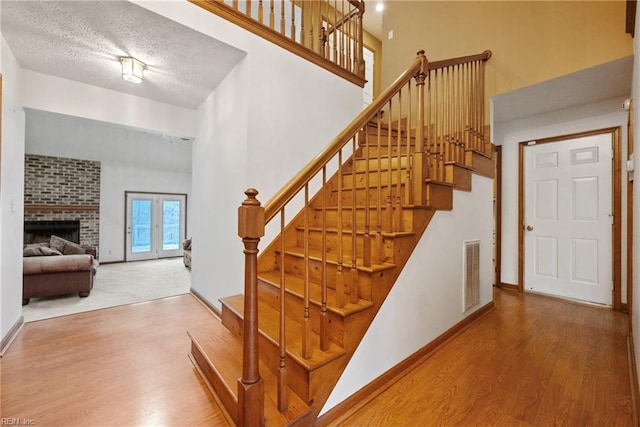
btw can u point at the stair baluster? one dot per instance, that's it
(340, 291)
(398, 210)
(283, 401)
(324, 318)
(353, 285)
(366, 243)
(421, 156)
(306, 325)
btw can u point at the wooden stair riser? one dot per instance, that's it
(361, 194)
(361, 164)
(331, 242)
(295, 310)
(347, 218)
(439, 196)
(383, 152)
(295, 265)
(374, 178)
(459, 175)
(481, 164)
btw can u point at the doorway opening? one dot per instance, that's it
(155, 225)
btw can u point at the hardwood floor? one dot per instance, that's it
(124, 366)
(533, 360)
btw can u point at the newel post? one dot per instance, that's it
(250, 385)
(420, 157)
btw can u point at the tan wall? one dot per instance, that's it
(531, 41)
(375, 45)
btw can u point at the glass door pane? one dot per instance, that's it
(173, 222)
(141, 226)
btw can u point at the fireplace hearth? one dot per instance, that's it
(41, 231)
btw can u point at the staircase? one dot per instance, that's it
(280, 348)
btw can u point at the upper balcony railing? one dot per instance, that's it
(328, 33)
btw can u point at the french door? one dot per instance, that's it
(155, 225)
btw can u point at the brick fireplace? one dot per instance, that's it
(61, 190)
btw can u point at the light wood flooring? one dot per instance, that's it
(534, 360)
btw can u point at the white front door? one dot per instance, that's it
(155, 225)
(568, 221)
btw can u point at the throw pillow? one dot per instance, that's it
(57, 243)
(65, 246)
(49, 252)
(32, 251)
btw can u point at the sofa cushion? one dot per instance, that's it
(39, 251)
(65, 246)
(55, 264)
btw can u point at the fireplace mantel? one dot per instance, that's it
(61, 208)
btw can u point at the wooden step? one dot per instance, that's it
(299, 369)
(439, 195)
(217, 354)
(347, 217)
(459, 175)
(383, 178)
(331, 241)
(481, 163)
(337, 318)
(374, 167)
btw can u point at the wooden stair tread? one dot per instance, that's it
(219, 344)
(461, 165)
(480, 152)
(269, 326)
(316, 255)
(295, 286)
(348, 231)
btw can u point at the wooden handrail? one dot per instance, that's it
(282, 197)
(484, 56)
(340, 23)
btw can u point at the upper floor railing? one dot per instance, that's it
(328, 33)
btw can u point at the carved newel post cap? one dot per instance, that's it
(420, 52)
(251, 216)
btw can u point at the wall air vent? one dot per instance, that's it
(471, 279)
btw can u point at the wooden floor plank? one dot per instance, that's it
(124, 366)
(534, 360)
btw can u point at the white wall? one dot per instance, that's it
(509, 134)
(131, 160)
(259, 127)
(427, 298)
(11, 192)
(49, 93)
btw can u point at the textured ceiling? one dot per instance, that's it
(83, 41)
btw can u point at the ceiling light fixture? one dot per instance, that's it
(379, 7)
(132, 69)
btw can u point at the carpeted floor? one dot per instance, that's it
(117, 284)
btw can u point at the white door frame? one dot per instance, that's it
(616, 256)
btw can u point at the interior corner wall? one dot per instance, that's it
(11, 192)
(218, 181)
(426, 300)
(270, 116)
(635, 93)
(589, 117)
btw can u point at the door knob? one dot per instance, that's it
(529, 228)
